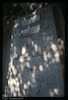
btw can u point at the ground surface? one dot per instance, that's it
(35, 57)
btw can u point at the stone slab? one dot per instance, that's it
(30, 30)
(36, 75)
(31, 20)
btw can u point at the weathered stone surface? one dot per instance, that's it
(36, 70)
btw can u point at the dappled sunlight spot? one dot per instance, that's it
(45, 57)
(29, 58)
(28, 83)
(19, 75)
(21, 59)
(16, 25)
(25, 86)
(23, 50)
(36, 47)
(33, 75)
(16, 89)
(24, 92)
(14, 70)
(12, 89)
(32, 43)
(57, 59)
(14, 94)
(34, 12)
(16, 79)
(7, 77)
(56, 91)
(11, 37)
(17, 84)
(26, 54)
(41, 68)
(53, 47)
(11, 81)
(49, 55)
(34, 68)
(56, 54)
(11, 44)
(53, 60)
(28, 64)
(51, 93)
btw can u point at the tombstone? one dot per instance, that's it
(35, 68)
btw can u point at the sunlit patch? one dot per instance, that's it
(11, 81)
(45, 57)
(56, 54)
(14, 48)
(36, 47)
(14, 70)
(32, 43)
(34, 68)
(21, 59)
(17, 84)
(56, 91)
(11, 44)
(49, 55)
(16, 79)
(53, 47)
(23, 50)
(24, 92)
(41, 68)
(12, 88)
(57, 59)
(33, 75)
(16, 25)
(11, 36)
(29, 58)
(14, 94)
(25, 86)
(19, 75)
(26, 54)
(28, 64)
(51, 93)
(16, 89)
(28, 83)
